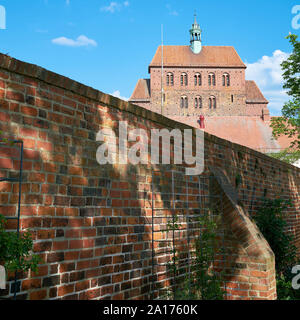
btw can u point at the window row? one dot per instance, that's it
(198, 79)
(212, 102)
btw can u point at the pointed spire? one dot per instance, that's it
(195, 34)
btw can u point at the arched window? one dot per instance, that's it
(226, 80)
(184, 102)
(184, 79)
(212, 102)
(170, 79)
(198, 80)
(198, 102)
(211, 79)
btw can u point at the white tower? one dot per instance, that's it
(195, 33)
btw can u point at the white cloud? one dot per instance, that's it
(276, 100)
(267, 70)
(111, 8)
(171, 11)
(267, 73)
(117, 94)
(81, 41)
(115, 6)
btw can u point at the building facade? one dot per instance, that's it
(199, 80)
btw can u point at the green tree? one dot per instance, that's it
(289, 123)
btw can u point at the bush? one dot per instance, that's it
(15, 251)
(270, 220)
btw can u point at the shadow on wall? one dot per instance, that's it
(92, 224)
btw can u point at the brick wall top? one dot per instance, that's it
(33, 71)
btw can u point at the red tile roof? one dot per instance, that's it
(141, 91)
(253, 94)
(248, 131)
(210, 56)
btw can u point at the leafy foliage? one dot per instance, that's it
(289, 123)
(271, 221)
(285, 290)
(288, 156)
(5, 140)
(207, 282)
(202, 283)
(15, 251)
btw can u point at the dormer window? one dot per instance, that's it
(197, 79)
(211, 79)
(184, 79)
(226, 80)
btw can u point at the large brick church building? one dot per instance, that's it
(208, 80)
(189, 81)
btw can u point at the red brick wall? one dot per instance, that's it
(225, 106)
(92, 224)
(258, 109)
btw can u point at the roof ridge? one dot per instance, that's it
(210, 56)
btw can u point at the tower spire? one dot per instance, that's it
(195, 34)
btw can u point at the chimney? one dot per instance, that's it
(201, 122)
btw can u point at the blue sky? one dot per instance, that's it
(109, 44)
